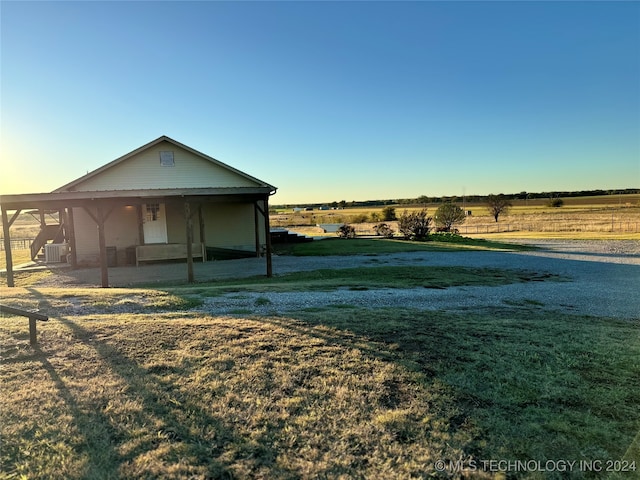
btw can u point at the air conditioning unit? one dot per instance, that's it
(56, 252)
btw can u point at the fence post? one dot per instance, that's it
(32, 331)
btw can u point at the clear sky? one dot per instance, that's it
(329, 100)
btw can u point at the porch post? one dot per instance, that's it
(71, 232)
(104, 270)
(189, 223)
(7, 247)
(256, 227)
(203, 239)
(267, 232)
(140, 224)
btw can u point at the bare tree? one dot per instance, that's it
(498, 204)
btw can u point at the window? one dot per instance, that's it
(152, 212)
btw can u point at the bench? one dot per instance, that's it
(33, 316)
(168, 251)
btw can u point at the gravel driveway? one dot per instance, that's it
(604, 280)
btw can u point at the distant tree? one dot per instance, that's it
(389, 214)
(555, 202)
(422, 200)
(415, 225)
(497, 205)
(342, 203)
(448, 215)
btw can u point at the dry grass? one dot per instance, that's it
(132, 383)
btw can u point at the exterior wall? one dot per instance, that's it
(121, 231)
(226, 226)
(176, 226)
(144, 171)
(231, 226)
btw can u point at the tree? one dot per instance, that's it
(388, 214)
(415, 225)
(498, 204)
(448, 215)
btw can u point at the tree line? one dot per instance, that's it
(424, 199)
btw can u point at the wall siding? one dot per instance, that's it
(143, 171)
(121, 231)
(226, 226)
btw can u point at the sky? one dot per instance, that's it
(328, 101)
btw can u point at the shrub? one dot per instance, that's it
(383, 230)
(448, 215)
(389, 214)
(415, 225)
(555, 202)
(346, 231)
(360, 218)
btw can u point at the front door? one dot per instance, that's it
(155, 223)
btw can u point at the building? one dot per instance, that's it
(161, 201)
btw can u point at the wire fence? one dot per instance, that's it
(17, 243)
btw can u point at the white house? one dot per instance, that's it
(163, 200)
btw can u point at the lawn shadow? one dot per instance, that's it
(104, 436)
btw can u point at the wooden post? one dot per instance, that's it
(104, 272)
(7, 247)
(32, 331)
(140, 224)
(189, 222)
(256, 227)
(203, 239)
(71, 232)
(267, 232)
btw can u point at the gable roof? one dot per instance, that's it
(93, 176)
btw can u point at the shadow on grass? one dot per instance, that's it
(160, 406)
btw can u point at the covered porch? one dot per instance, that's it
(188, 209)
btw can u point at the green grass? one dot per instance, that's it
(380, 246)
(364, 278)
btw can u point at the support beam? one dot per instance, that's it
(140, 224)
(71, 232)
(203, 239)
(256, 227)
(189, 223)
(104, 269)
(7, 247)
(267, 233)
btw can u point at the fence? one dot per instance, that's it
(618, 227)
(17, 243)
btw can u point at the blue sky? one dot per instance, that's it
(329, 100)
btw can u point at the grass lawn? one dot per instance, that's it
(380, 246)
(137, 383)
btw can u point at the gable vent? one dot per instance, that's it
(166, 159)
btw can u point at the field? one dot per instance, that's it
(582, 217)
(148, 383)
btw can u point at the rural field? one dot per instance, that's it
(612, 216)
(360, 359)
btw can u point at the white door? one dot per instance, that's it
(155, 223)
